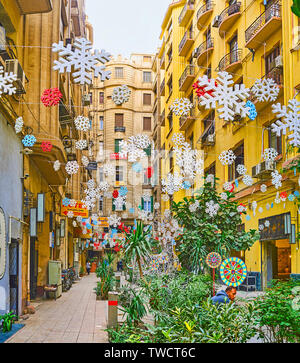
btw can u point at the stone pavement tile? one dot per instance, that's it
(85, 338)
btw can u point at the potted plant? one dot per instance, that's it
(81, 272)
(7, 321)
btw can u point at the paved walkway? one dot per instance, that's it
(76, 317)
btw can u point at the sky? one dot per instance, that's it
(127, 26)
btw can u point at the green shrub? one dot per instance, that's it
(7, 321)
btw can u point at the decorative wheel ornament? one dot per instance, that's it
(121, 95)
(51, 97)
(213, 260)
(181, 106)
(72, 167)
(19, 125)
(81, 144)
(29, 140)
(233, 271)
(154, 264)
(46, 146)
(82, 123)
(227, 157)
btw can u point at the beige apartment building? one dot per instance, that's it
(116, 122)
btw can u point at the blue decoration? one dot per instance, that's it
(291, 197)
(137, 167)
(296, 193)
(252, 111)
(89, 226)
(186, 185)
(248, 218)
(66, 202)
(131, 210)
(123, 191)
(272, 205)
(236, 183)
(29, 141)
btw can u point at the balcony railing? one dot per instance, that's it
(120, 129)
(189, 35)
(189, 72)
(162, 87)
(210, 131)
(229, 59)
(276, 74)
(208, 44)
(274, 11)
(188, 6)
(162, 61)
(204, 9)
(226, 14)
(184, 121)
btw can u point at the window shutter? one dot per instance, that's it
(152, 204)
(119, 120)
(113, 206)
(142, 202)
(147, 123)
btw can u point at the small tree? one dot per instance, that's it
(208, 231)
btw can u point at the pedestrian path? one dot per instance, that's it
(76, 317)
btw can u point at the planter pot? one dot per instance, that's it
(93, 267)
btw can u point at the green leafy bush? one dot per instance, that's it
(7, 321)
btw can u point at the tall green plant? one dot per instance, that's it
(105, 272)
(7, 321)
(204, 234)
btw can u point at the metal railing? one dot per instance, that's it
(206, 7)
(162, 60)
(209, 43)
(188, 6)
(191, 115)
(276, 74)
(162, 116)
(230, 10)
(189, 71)
(274, 11)
(230, 58)
(208, 132)
(188, 35)
(162, 86)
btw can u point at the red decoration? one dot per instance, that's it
(118, 247)
(46, 146)
(51, 97)
(200, 90)
(115, 194)
(149, 172)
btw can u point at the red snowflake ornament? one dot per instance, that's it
(46, 146)
(115, 194)
(51, 97)
(200, 90)
(149, 172)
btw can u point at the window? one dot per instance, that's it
(117, 145)
(119, 120)
(170, 85)
(147, 99)
(233, 46)
(148, 150)
(211, 170)
(275, 141)
(147, 181)
(147, 58)
(91, 97)
(119, 72)
(170, 54)
(101, 205)
(147, 77)
(101, 97)
(101, 174)
(119, 173)
(147, 123)
(270, 59)
(240, 160)
(101, 148)
(101, 123)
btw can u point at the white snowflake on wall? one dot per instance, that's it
(288, 121)
(82, 60)
(181, 107)
(212, 208)
(270, 154)
(227, 157)
(19, 125)
(6, 82)
(82, 123)
(276, 179)
(231, 100)
(265, 90)
(121, 95)
(172, 183)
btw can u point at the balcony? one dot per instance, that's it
(204, 51)
(120, 129)
(186, 13)
(232, 61)
(208, 136)
(186, 121)
(187, 77)
(34, 7)
(264, 26)
(163, 118)
(186, 43)
(228, 17)
(204, 13)
(163, 61)
(163, 88)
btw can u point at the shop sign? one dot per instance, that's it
(103, 222)
(279, 227)
(77, 210)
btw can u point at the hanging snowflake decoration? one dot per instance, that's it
(19, 125)
(66, 202)
(201, 90)
(145, 216)
(267, 224)
(114, 220)
(265, 90)
(224, 196)
(82, 60)
(241, 208)
(276, 179)
(46, 146)
(231, 101)
(261, 227)
(178, 139)
(51, 97)
(121, 95)
(227, 157)
(165, 197)
(181, 107)
(229, 187)
(252, 114)
(109, 170)
(91, 183)
(212, 208)
(172, 183)
(270, 154)
(85, 161)
(131, 151)
(72, 167)
(6, 82)
(247, 180)
(81, 144)
(70, 214)
(263, 188)
(241, 169)
(73, 203)
(156, 205)
(82, 123)
(210, 179)
(288, 121)
(194, 206)
(123, 191)
(141, 141)
(29, 141)
(119, 202)
(56, 165)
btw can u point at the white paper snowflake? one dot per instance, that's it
(82, 123)
(81, 144)
(109, 169)
(121, 95)
(104, 186)
(72, 203)
(270, 154)
(19, 125)
(265, 90)
(145, 216)
(227, 157)
(56, 165)
(172, 183)
(181, 106)
(91, 183)
(230, 100)
(178, 139)
(70, 214)
(267, 224)
(165, 197)
(241, 208)
(72, 167)
(85, 161)
(263, 188)
(131, 151)
(247, 180)
(241, 169)
(6, 82)
(193, 207)
(261, 227)
(186, 159)
(141, 141)
(114, 220)
(119, 202)
(224, 196)
(82, 60)
(79, 219)
(288, 121)
(156, 205)
(212, 208)
(227, 186)
(210, 179)
(276, 179)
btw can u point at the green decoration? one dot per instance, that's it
(296, 7)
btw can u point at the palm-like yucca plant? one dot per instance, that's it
(138, 245)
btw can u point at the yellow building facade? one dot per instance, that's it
(250, 40)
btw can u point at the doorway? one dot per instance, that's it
(14, 276)
(33, 268)
(278, 260)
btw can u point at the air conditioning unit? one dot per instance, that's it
(13, 66)
(86, 100)
(264, 168)
(278, 62)
(215, 22)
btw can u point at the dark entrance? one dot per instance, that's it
(33, 268)
(14, 276)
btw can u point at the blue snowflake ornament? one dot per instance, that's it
(29, 141)
(252, 110)
(66, 202)
(123, 191)
(137, 167)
